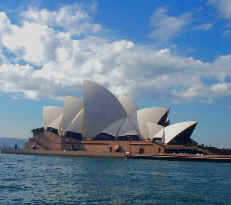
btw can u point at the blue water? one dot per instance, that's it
(62, 180)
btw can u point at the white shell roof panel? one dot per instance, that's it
(128, 104)
(142, 117)
(173, 130)
(101, 108)
(56, 124)
(153, 129)
(159, 134)
(77, 123)
(72, 107)
(51, 113)
(114, 128)
(127, 128)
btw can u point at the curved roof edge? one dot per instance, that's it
(153, 129)
(114, 128)
(51, 113)
(77, 123)
(143, 116)
(128, 104)
(56, 124)
(101, 108)
(127, 129)
(172, 131)
(72, 107)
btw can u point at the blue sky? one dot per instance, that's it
(159, 52)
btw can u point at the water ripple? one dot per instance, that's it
(39, 180)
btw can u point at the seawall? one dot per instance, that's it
(175, 157)
(63, 153)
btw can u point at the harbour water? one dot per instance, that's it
(27, 179)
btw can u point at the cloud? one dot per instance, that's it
(203, 27)
(221, 89)
(226, 33)
(44, 58)
(167, 27)
(73, 18)
(223, 7)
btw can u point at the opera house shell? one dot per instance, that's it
(100, 116)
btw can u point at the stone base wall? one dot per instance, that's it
(147, 147)
(45, 141)
(50, 141)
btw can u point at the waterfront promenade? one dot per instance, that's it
(163, 156)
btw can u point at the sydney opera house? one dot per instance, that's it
(101, 122)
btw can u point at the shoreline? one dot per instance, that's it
(165, 156)
(63, 153)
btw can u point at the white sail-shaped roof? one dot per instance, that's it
(160, 134)
(102, 112)
(56, 124)
(153, 129)
(77, 123)
(72, 107)
(127, 129)
(114, 128)
(51, 113)
(129, 133)
(172, 131)
(122, 127)
(128, 104)
(142, 117)
(101, 108)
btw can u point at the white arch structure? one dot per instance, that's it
(101, 108)
(77, 124)
(173, 131)
(101, 112)
(153, 129)
(72, 107)
(114, 128)
(128, 104)
(50, 114)
(141, 118)
(56, 124)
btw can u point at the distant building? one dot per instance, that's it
(103, 123)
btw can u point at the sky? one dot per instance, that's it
(158, 52)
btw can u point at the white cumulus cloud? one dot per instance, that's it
(223, 7)
(203, 27)
(49, 55)
(166, 27)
